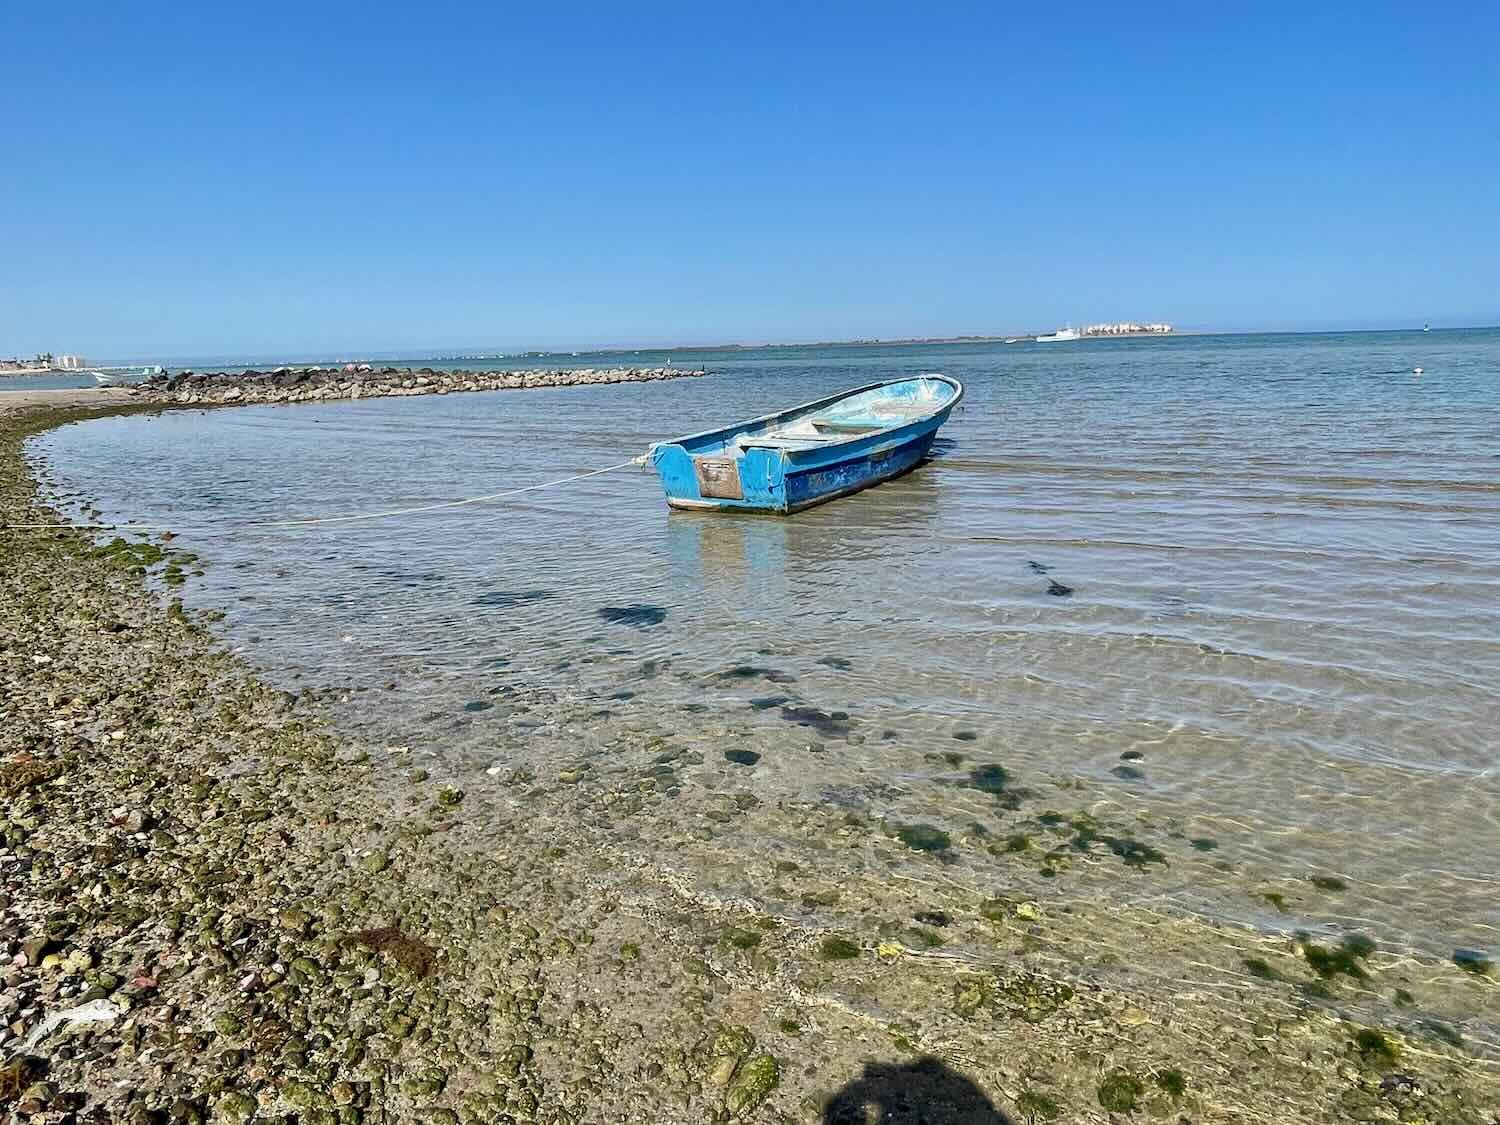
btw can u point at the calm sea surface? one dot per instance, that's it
(1282, 638)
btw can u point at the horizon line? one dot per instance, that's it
(495, 351)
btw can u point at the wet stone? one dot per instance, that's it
(741, 757)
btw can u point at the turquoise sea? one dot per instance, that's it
(1278, 657)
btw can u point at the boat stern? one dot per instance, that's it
(723, 478)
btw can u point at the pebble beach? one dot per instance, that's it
(213, 907)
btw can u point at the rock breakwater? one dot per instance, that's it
(313, 384)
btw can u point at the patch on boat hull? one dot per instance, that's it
(718, 478)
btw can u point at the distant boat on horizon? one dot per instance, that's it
(1068, 333)
(1426, 328)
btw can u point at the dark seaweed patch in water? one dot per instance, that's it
(478, 705)
(509, 599)
(1473, 961)
(837, 662)
(1328, 882)
(1128, 773)
(966, 735)
(623, 695)
(741, 757)
(995, 780)
(766, 702)
(751, 671)
(991, 779)
(740, 672)
(1344, 960)
(1058, 590)
(1131, 756)
(833, 724)
(639, 616)
(1038, 568)
(923, 837)
(1133, 853)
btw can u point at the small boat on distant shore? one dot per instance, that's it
(783, 463)
(124, 376)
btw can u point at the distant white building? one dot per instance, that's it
(1127, 328)
(70, 363)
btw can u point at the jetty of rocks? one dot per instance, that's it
(313, 384)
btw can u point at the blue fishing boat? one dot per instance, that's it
(822, 450)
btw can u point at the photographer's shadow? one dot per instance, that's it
(926, 1092)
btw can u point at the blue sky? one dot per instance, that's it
(318, 178)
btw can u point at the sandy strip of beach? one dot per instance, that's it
(12, 402)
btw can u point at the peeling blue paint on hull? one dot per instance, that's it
(784, 463)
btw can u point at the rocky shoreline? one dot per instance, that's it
(314, 384)
(214, 908)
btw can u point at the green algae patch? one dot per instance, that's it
(924, 837)
(838, 949)
(1342, 960)
(1037, 1106)
(1375, 1047)
(752, 1084)
(1328, 882)
(1172, 1081)
(1120, 1091)
(973, 994)
(1026, 996)
(742, 939)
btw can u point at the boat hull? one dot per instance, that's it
(708, 473)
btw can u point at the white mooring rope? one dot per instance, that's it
(327, 519)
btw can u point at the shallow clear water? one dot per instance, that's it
(1283, 554)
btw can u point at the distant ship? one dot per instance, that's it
(1061, 334)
